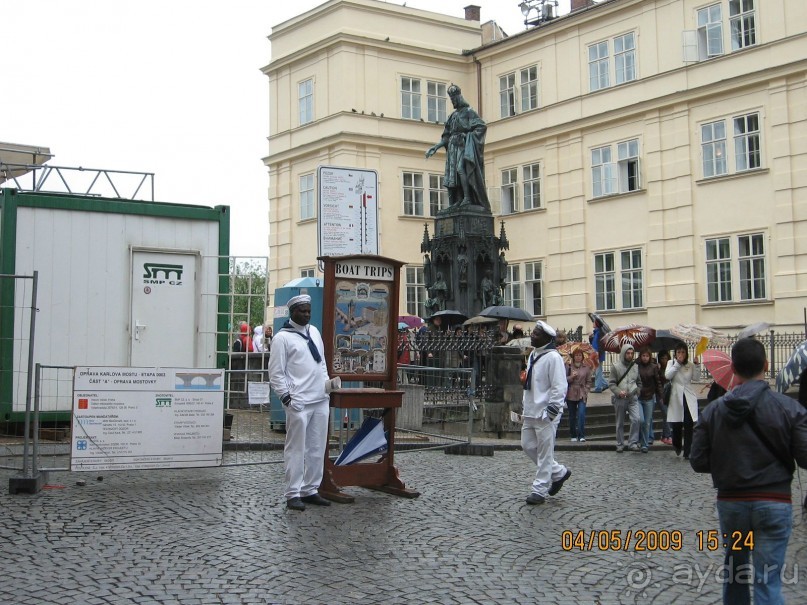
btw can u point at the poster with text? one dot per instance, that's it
(142, 418)
(348, 211)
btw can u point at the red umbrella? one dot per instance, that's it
(632, 334)
(719, 365)
(413, 321)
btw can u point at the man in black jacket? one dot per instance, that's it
(747, 440)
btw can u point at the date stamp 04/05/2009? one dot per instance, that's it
(651, 540)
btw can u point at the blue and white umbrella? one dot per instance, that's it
(370, 439)
(793, 368)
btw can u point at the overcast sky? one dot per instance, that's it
(171, 87)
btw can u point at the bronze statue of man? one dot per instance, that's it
(464, 141)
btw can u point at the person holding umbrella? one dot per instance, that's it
(625, 384)
(600, 384)
(682, 410)
(649, 392)
(748, 440)
(544, 395)
(578, 375)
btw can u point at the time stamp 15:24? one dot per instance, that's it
(649, 540)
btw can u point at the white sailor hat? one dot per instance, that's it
(548, 330)
(300, 299)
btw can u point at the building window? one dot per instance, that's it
(604, 282)
(598, 66)
(413, 193)
(507, 95)
(436, 101)
(415, 292)
(532, 186)
(710, 31)
(713, 145)
(529, 88)
(512, 288)
(629, 288)
(632, 279)
(623, 176)
(742, 24)
(749, 271)
(510, 191)
(718, 270)
(752, 266)
(534, 276)
(746, 142)
(625, 58)
(306, 197)
(305, 96)
(410, 99)
(438, 196)
(308, 272)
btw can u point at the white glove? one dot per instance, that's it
(333, 384)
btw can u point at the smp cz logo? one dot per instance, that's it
(163, 402)
(160, 273)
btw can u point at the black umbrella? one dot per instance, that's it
(507, 312)
(596, 319)
(449, 316)
(665, 341)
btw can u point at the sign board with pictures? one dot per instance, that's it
(360, 316)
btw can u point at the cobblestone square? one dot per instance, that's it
(223, 535)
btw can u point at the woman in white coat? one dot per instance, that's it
(682, 411)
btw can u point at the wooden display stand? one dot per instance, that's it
(360, 331)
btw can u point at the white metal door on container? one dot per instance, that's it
(163, 321)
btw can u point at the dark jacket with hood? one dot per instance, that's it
(742, 466)
(650, 377)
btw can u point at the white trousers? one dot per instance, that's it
(304, 452)
(538, 442)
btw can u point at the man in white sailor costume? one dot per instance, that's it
(298, 374)
(543, 401)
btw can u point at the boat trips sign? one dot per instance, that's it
(141, 418)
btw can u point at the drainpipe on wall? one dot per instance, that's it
(478, 86)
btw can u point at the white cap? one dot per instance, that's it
(548, 330)
(300, 299)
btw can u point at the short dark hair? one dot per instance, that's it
(748, 357)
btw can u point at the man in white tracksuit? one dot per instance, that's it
(543, 401)
(297, 372)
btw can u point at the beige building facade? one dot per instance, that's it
(648, 158)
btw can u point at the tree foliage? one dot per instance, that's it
(248, 291)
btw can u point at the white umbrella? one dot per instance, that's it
(369, 439)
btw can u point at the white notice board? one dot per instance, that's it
(348, 211)
(140, 418)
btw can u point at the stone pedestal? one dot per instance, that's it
(410, 416)
(504, 368)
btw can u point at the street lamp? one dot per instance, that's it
(545, 10)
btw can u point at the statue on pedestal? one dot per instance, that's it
(464, 140)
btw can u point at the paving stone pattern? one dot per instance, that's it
(224, 536)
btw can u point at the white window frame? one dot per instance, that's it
(598, 66)
(415, 291)
(736, 259)
(528, 82)
(410, 98)
(513, 291)
(619, 276)
(745, 145)
(603, 172)
(747, 139)
(509, 191)
(507, 95)
(632, 283)
(534, 287)
(307, 197)
(625, 58)
(742, 24)
(412, 193)
(438, 196)
(308, 272)
(436, 108)
(710, 31)
(531, 186)
(305, 101)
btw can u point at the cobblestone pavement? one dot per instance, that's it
(223, 535)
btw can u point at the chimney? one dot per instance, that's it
(472, 13)
(579, 4)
